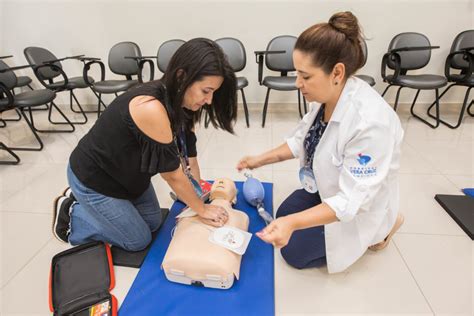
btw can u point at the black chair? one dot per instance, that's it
(22, 81)
(369, 79)
(166, 51)
(410, 51)
(278, 57)
(235, 52)
(119, 64)
(24, 102)
(461, 57)
(49, 68)
(163, 57)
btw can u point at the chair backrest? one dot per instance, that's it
(7, 78)
(410, 59)
(363, 44)
(281, 62)
(462, 40)
(37, 56)
(120, 65)
(166, 51)
(235, 52)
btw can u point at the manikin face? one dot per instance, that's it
(201, 92)
(223, 188)
(314, 83)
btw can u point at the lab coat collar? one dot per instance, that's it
(343, 103)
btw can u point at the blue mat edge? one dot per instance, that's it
(269, 310)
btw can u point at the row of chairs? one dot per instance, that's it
(407, 51)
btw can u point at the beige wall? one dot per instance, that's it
(92, 27)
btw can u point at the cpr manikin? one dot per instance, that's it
(203, 255)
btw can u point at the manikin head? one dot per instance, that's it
(224, 188)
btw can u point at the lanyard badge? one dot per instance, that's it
(185, 163)
(306, 174)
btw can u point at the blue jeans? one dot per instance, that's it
(307, 247)
(127, 224)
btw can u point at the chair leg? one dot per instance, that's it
(246, 110)
(299, 104)
(395, 105)
(265, 105)
(461, 114)
(81, 110)
(33, 130)
(436, 117)
(8, 150)
(15, 119)
(386, 89)
(469, 108)
(67, 121)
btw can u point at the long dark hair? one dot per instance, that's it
(337, 41)
(193, 61)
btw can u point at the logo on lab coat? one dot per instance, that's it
(363, 170)
(363, 159)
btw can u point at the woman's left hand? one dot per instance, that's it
(278, 232)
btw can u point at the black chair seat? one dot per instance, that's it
(419, 81)
(72, 83)
(34, 98)
(113, 86)
(242, 82)
(23, 81)
(459, 79)
(370, 80)
(280, 83)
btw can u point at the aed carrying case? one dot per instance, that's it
(80, 281)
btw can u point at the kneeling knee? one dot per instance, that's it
(139, 243)
(292, 260)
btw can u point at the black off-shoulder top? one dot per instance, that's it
(116, 158)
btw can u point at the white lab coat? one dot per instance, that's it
(355, 165)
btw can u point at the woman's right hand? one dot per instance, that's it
(213, 215)
(248, 162)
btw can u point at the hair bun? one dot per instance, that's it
(347, 23)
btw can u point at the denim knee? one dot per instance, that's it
(140, 243)
(154, 222)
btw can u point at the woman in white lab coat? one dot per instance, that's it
(348, 146)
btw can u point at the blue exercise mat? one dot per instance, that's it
(152, 294)
(468, 191)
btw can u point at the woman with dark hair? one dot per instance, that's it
(349, 150)
(145, 131)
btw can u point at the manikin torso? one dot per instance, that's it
(191, 252)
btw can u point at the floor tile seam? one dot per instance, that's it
(446, 176)
(428, 234)
(425, 160)
(27, 263)
(414, 278)
(26, 212)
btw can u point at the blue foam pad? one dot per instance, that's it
(152, 294)
(468, 191)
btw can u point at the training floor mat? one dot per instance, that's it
(461, 209)
(152, 294)
(134, 259)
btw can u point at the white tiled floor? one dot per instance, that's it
(427, 269)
